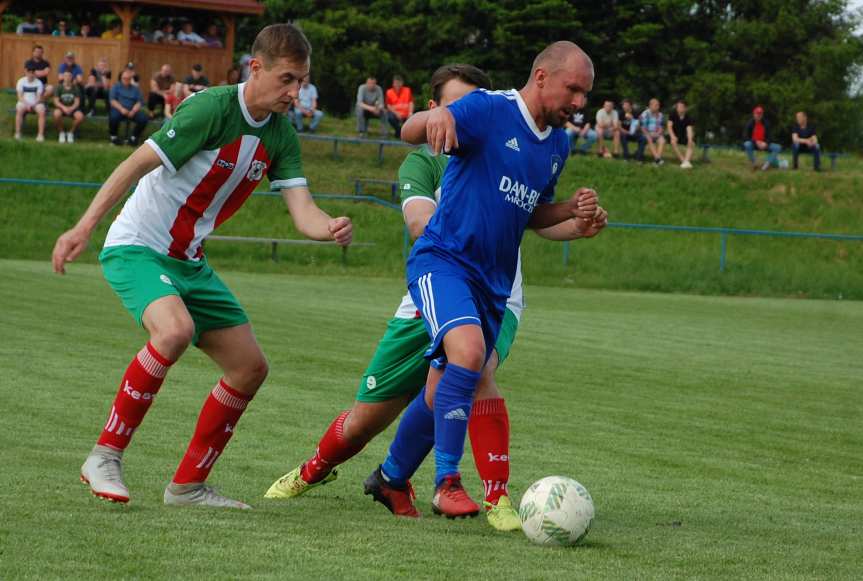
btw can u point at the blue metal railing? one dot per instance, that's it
(724, 233)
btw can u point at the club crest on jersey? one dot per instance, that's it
(556, 163)
(256, 172)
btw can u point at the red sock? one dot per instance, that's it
(138, 388)
(489, 439)
(332, 450)
(215, 426)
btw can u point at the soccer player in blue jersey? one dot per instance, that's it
(508, 152)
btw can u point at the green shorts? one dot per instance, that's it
(140, 276)
(399, 367)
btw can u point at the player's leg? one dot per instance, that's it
(394, 375)
(139, 278)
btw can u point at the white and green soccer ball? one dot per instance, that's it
(556, 511)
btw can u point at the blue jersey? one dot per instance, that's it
(503, 168)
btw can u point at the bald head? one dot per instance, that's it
(558, 55)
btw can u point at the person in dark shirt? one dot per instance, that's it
(577, 126)
(681, 131)
(805, 140)
(98, 85)
(43, 69)
(195, 82)
(629, 132)
(756, 137)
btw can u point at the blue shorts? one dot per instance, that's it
(448, 300)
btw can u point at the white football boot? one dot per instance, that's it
(199, 494)
(103, 471)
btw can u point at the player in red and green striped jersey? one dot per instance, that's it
(192, 175)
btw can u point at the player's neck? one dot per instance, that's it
(531, 101)
(258, 111)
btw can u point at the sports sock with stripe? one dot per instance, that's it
(414, 440)
(452, 408)
(333, 449)
(216, 424)
(138, 388)
(489, 440)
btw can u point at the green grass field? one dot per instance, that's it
(720, 438)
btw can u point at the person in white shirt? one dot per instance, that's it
(608, 127)
(307, 106)
(30, 91)
(188, 37)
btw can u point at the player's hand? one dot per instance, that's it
(68, 247)
(583, 203)
(440, 131)
(589, 228)
(342, 230)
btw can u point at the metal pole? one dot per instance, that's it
(723, 238)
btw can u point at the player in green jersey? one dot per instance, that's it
(398, 369)
(192, 175)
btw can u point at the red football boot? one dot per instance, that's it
(399, 501)
(452, 501)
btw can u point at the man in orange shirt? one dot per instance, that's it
(400, 104)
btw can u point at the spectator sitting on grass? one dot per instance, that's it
(188, 37)
(576, 128)
(98, 85)
(126, 103)
(195, 82)
(307, 106)
(161, 84)
(30, 92)
(756, 137)
(653, 128)
(370, 104)
(805, 140)
(400, 104)
(67, 103)
(681, 130)
(70, 65)
(630, 133)
(42, 69)
(608, 127)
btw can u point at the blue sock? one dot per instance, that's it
(414, 440)
(452, 404)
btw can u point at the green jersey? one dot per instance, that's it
(67, 95)
(214, 154)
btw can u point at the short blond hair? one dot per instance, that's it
(281, 41)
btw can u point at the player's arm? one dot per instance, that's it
(312, 221)
(576, 228)
(435, 127)
(418, 180)
(582, 204)
(73, 242)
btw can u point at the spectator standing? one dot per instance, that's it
(370, 104)
(165, 34)
(608, 127)
(213, 38)
(42, 69)
(67, 103)
(653, 128)
(30, 91)
(630, 133)
(188, 37)
(681, 131)
(98, 85)
(62, 29)
(400, 104)
(86, 30)
(196, 81)
(577, 127)
(307, 106)
(70, 65)
(756, 137)
(126, 103)
(804, 139)
(161, 84)
(26, 26)
(115, 32)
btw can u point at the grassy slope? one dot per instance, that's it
(736, 418)
(724, 193)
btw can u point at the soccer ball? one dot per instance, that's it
(556, 511)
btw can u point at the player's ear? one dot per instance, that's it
(432, 104)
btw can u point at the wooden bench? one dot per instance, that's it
(360, 183)
(274, 244)
(337, 139)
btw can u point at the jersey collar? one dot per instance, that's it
(246, 115)
(528, 118)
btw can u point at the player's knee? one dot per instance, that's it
(175, 334)
(258, 371)
(469, 355)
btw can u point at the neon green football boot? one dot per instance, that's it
(292, 484)
(502, 516)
